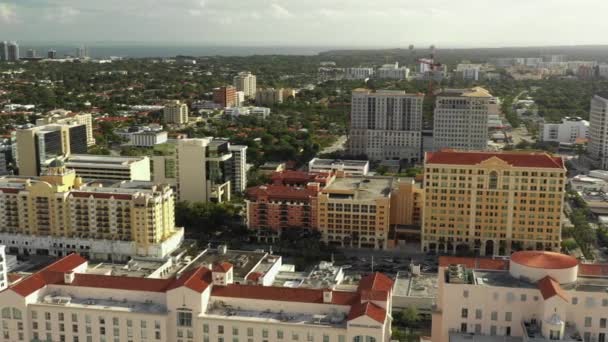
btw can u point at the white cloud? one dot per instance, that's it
(8, 13)
(62, 14)
(280, 12)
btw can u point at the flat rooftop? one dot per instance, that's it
(504, 279)
(77, 159)
(359, 188)
(332, 162)
(67, 300)
(423, 285)
(469, 92)
(243, 262)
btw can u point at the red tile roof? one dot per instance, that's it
(50, 274)
(254, 276)
(222, 267)
(299, 177)
(197, 280)
(549, 288)
(280, 192)
(475, 263)
(120, 283)
(593, 270)
(543, 259)
(368, 309)
(286, 294)
(377, 282)
(518, 159)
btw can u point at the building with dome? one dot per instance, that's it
(57, 213)
(532, 296)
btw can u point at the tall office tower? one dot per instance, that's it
(82, 52)
(492, 202)
(3, 269)
(3, 51)
(598, 131)
(461, 119)
(13, 52)
(30, 53)
(225, 96)
(56, 214)
(52, 54)
(64, 117)
(245, 82)
(176, 113)
(269, 96)
(37, 146)
(236, 168)
(386, 125)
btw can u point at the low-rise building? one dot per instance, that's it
(200, 304)
(262, 112)
(582, 183)
(567, 132)
(359, 73)
(143, 136)
(349, 167)
(531, 296)
(392, 72)
(112, 168)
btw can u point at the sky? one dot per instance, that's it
(354, 23)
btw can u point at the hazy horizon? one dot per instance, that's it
(318, 23)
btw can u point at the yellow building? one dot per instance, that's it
(492, 203)
(355, 211)
(57, 214)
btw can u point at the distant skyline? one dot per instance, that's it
(340, 23)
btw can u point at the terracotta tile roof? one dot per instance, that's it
(280, 192)
(373, 295)
(222, 267)
(299, 177)
(285, 294)
(368, 309)
(522, 159)
(475, 263)
(549, 287)
(120, 283)
(593, 270)
(377, 282)
(50, 274)
(254, 276)
(197, 280)
(543, 259)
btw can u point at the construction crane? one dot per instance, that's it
(432, 66)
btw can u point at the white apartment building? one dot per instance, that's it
(597, 148)
(176, 113)
(96, 167)
(269, 96)
(392, 72)
(149, 138)
(262, 112)
(350, 167)
(461, 119)
(359, 73)
(65, 302)
(534, 296)
(386, 125)
(246, 82)
(3, 269)
(237, 168)
(468, 72)
(567, 132)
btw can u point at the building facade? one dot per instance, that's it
(568, 131)
(392, 72)
(532, 296)
(57, 214)
(597, 148)
(64, 117)
(386, 125)
(65, 302)
(269, 96)
(3, 51)
(236, 168)
(358, 73)
(460, 119)
(492, 203)
(13, 52)
(175, 113)
(112, 168)
(225, 96)
(349, 167)
(246, 82)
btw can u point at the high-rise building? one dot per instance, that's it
(56, 214)
(37, 146)
(269, 96)
(176, 113)
(461, 119)
(12, 52)
(225, 96)
(529, 296)
(3, 51)
(30, 53)
(68, 300)
(64, 117)
(3, 269)
(597, 148)
(51, 54)
(236, 168)
(82, 52)
(246, 82)
(386, 125)
(492, 202)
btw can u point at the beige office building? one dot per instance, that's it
(96, 167)
(491, 202)
(175, 113)
(60, 116)
(246, 82)
(57, 213)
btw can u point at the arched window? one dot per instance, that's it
(493, 180)
(6, 313)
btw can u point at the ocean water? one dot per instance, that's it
(158, 50)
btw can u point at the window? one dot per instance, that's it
(493, 184)
(325, 338)
(220, 329)
(463, 327)
(34, 314)
(588, 322)
(280, 334)
(464, 313)
(341, 338)
(184, 319)
(249, 331)
(74, 317)
(508, 316)
(574, 300)
(60, 316)
(554, 335)
(478, 314)
(465, 293)
(235, 331)
(494, 316)
(478, 328)
(524, 297)
(206, 328)
(115, 321)
(265, 333)
(493, 330)
(602, 323)
(587, 336)
(6, 313)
